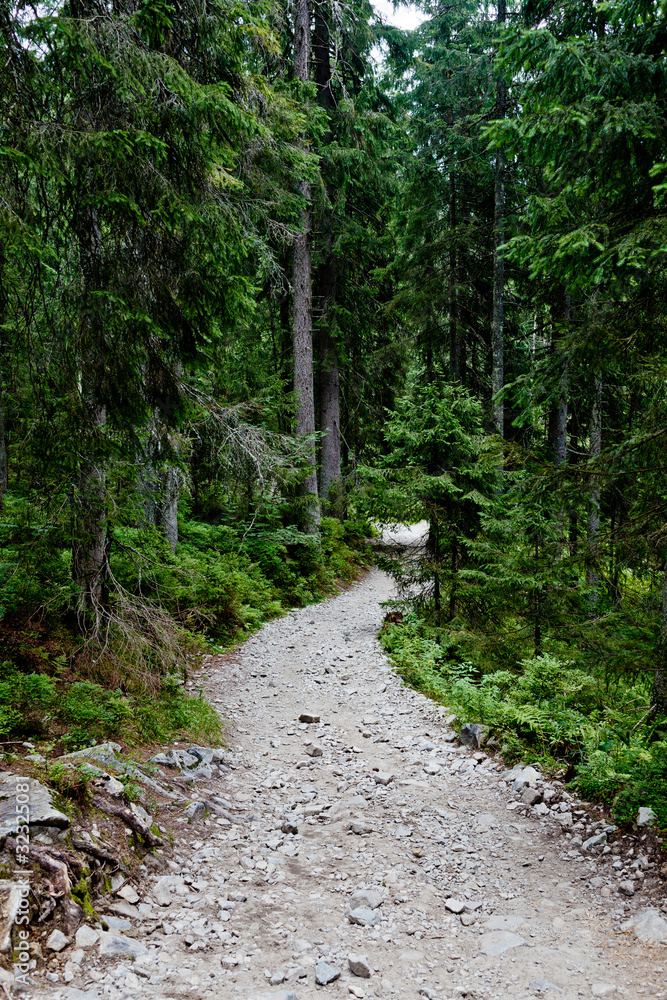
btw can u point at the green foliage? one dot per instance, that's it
(628, 775)
(221, 584)
(70, 780)
(82, 712)
(89, 711)
(547, 709)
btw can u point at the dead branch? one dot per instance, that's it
(128, 817)
(99, 853)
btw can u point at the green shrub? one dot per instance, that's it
(545, 709)
(25, 691)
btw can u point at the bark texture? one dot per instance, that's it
(166, 514)
(659, 693)
(593, 528)
(302, 312)
(558, 411)
(159, 487)
(456, 343)
(498, 316)
(329, 377)
(89, 549)
(3, 447)
(330, 472)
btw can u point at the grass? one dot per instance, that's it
(72, 715)
(220, 586)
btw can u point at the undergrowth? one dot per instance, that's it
(128, 680)
(547, 709)
(75, 714)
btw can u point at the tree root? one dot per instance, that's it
(98, 852)
(128, 817)
(57, 863)
(54, 865)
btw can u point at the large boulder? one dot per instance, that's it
(648, 925)
(25, 797)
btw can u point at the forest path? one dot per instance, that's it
(261, 908)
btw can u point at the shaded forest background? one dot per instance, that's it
(275, 274)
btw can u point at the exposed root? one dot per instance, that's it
(128, 817)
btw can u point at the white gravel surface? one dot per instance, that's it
(366, 841)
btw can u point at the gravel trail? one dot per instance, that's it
(366, 848)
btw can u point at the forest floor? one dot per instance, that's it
(475, 901)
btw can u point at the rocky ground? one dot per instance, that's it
(363, 852)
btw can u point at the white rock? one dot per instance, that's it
(595, 841)
(496, 942)
(86, 936)
(603, 989)
(301, 946)
(498, 923)
(325, 973)
(280, 995)
(116, 945)
(10, 911)
(114, 787)
(358, 966)
(42, 811)
(544, 986)
(648, 926)
(455, 905)
(645, 816)
(366, 897)
(56, 941)
(162, 894)
(360, 826)
(528, 776)
(128, 893)
(364, 917)
(484, 822)
(141, 814)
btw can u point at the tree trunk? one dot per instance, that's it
(330, 474)
(557, 431)
(454, 346)
(330, 467)
(558, 411)
(659, 693)
(498, 317)
(593, 534)
(89, 550)
(89, 555)
(3, 447)
(159, 485)
(3, 444)
(166, 512)
(573, 519)
(302, 316)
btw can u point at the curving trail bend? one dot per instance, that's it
(475, 901)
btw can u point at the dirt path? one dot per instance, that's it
(387, 806)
